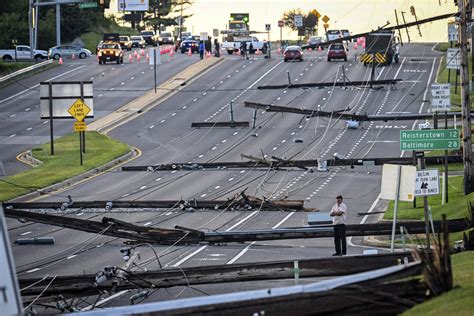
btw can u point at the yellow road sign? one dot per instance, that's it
(79, 110)
(325, 19)
(80, 126)
(316, 13)
(326, 26)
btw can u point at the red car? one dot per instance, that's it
(337, 51)
(293, 53)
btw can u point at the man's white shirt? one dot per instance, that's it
(339, 219)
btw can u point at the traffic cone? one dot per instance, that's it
(143, 52)
(190, 52)
(147, 57)
(130, 58)
(310, 49)
(355, 46)
(278, 50)
(208, 55)
(73, 56)
(139, 58)
(319, 49)
(60, 61)
(135, 53)
(171, 53)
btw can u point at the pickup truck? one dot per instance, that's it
(232, 45)
(22, 53)
(150, 37)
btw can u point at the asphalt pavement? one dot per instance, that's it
(164, 135)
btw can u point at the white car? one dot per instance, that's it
(68, 51)
(22, 52)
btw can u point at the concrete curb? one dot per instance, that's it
(27, 158)
(66, 183)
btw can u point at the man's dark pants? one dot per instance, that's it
(340, 237)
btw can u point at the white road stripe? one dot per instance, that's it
(177, 264)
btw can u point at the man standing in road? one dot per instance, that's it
(201, 49)
(338, 214)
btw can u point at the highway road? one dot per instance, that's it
(164, 135)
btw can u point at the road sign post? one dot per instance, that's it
(79, 111)
(281, 23)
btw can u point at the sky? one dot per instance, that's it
(354, 15)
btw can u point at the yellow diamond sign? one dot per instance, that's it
(325, 19)
(79, 110)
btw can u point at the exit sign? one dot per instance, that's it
(87, 5)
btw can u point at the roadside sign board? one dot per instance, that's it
(87, 5)
(440, 97)
(203, 36)
(215, 32)
(80, 126)
(453, 59)
(79, 110)
(154, 53)
(298, 20)
(325, 19)
(268, 27)
(389, 182)
(133, 5)
(435, 139)
(427, 182)
(281, 23)
(61, 94)
(453, 32)
(10, 301)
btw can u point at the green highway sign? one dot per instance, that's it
(87, 5)
(434, 139)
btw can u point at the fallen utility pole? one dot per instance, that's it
(220, 124)
(83, 285)
(120, 229)
(276, 164)
(244, 202)
(345, 116)
(331, 84)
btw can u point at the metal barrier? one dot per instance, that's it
(25, 70)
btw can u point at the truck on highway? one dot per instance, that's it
(231, 42)
(22, 52)
(381, 47)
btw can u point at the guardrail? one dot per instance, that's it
(25, 70)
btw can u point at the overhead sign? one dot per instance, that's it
(453, 59)
(440, 97)
(133, 5)
(436, 139)
(79, 110)
(240, 17)
(87, 5)
(325, 19)
(62, 95)
(80, 126)
(10, 302)
(427, 182)
(281, 23)
(298, 20)
(268, 27)
(389, 182)
(453, 32)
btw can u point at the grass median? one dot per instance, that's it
(65, 164)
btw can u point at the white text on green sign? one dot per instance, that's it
(430, 139)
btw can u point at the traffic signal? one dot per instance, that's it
(412, 10)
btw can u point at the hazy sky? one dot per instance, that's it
(355, 15)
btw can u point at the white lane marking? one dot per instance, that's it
(241, 221)
(177, 264)
(79, 214)
(143, 187)
(203, 195)
(147, 224)
(217, 187)
(152, 126)
(240, 254)
(158, 179)
(230, 179)
(125, 195)
(37, 85)
(26, 233)
(131, 78)
(27, 109)
(12, 135)
(29, 128)
(33, 270)
(70, 257)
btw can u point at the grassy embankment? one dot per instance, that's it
(91, 39)
(100, 149)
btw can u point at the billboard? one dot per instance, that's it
(63, 95)
(133, 5)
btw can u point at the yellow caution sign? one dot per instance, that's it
(80, 126)
(79, 110)
(325, 19)
(369, 58)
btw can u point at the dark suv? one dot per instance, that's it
(149, 37)
(337, 51)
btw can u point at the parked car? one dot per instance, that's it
(166, 38)
(22, 52)
(189, 43)
(68, 51)
(110, 51)
(337, 51)
(125, 42)
(293, 53)
(315, 41)
(150, 37)
(138, 41)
